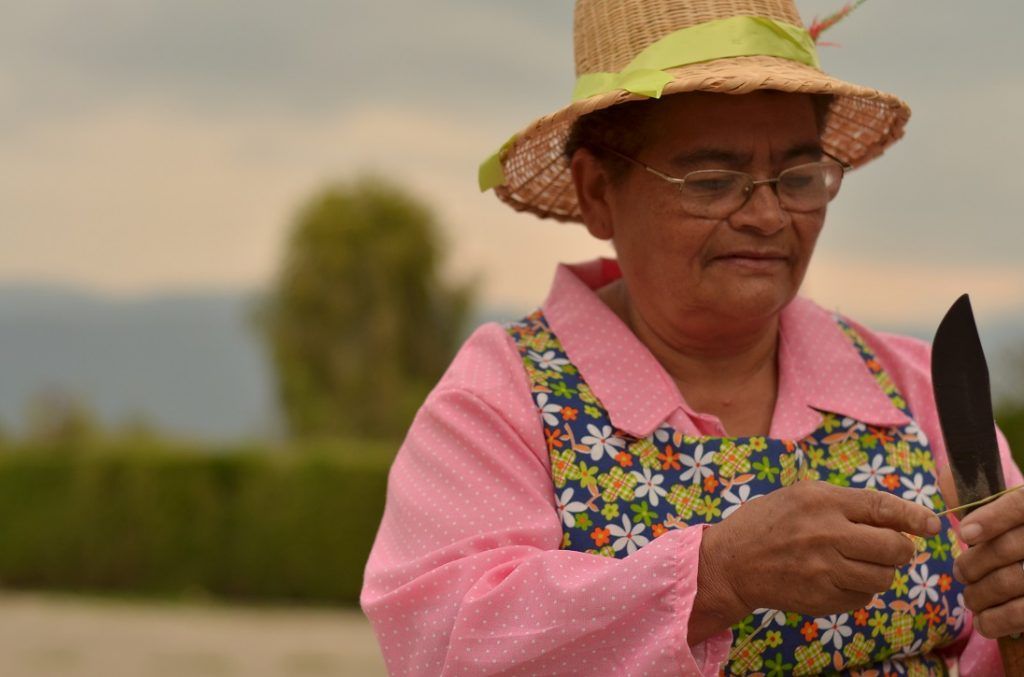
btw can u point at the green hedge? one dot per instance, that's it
(286, 525)
(1011, 422)
(253, 523)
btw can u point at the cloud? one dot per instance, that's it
(148, 144)
(912, 293)
(311, 57)
(144, 197)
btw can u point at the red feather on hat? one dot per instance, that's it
(818, 27)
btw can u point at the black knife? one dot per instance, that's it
(964, 399)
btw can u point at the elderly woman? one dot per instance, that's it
(677, 465)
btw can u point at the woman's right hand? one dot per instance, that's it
(813, 548)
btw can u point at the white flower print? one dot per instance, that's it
(666, 434)
(957, 612)
(835, 629)
(870, 473)
(913, 430)
(567, 507)
(853, 426)
(895, 662)
(777, 617)
(919, 492)
(738, 499)
(924, 585)
(550, 412)
(601, 441)
(663, 434)
(649, 485)
(628, 536)
(696, 465)
(548, 360)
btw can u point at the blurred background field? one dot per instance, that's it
(239, 242)
(100, 637)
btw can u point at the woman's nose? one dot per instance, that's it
(762, 210)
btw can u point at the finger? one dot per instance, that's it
(984, 558)
(870, 544)
(996, 518)
(862, 577)
(880, 509)
(1000, 586)
(1005, 619)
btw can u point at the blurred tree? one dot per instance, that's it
(1010, 406)
(60, 420)
(359, 323)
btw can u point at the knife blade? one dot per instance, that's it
(963, 396)
(964, 399)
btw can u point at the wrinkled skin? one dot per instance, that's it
(991, 568)
(704, 295)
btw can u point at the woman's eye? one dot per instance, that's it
(801, 180)
(711, 185)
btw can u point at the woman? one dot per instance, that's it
(677, 465)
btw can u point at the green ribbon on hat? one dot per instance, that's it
(491, 173)
(720, 39)
(646, 74)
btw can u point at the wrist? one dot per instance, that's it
(717, 605)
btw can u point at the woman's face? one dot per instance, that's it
(680, 268)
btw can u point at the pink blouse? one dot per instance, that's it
(466, 576)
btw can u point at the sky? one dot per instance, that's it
(164, 145)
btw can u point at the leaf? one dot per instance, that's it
(901, 606)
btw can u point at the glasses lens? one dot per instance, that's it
(714, 193)
(809, 187)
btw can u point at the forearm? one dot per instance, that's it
(517, 608)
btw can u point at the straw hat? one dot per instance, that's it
(627, 50)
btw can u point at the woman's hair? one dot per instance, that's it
(622, 128)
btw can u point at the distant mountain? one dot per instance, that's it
(190, 364)
(187, 363)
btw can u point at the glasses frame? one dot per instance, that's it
(752, 183)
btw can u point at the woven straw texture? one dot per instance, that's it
(862, 122)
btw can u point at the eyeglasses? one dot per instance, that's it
(718, 193)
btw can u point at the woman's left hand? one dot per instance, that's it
(992, 567)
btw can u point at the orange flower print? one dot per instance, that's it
(944, 582)
(624, 458)
(669, 459)
(933, 613)
(710, 484)
(600, 536)
(555, 438)
(860, 617)
(569, 413)
(881, 434)
(658, 529)
(809, 631)
(891, 482)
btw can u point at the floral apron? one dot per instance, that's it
(614, 493)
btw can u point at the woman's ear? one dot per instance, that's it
(593, 187)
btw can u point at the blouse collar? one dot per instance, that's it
(819, 369)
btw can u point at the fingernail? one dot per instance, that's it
(934, 524)
(956, 572)
(970, 532)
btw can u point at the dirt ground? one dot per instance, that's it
(85, 637)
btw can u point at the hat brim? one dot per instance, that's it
(862, 122)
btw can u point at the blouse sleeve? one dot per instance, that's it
(466, 575)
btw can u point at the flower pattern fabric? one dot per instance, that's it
(616, 493)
